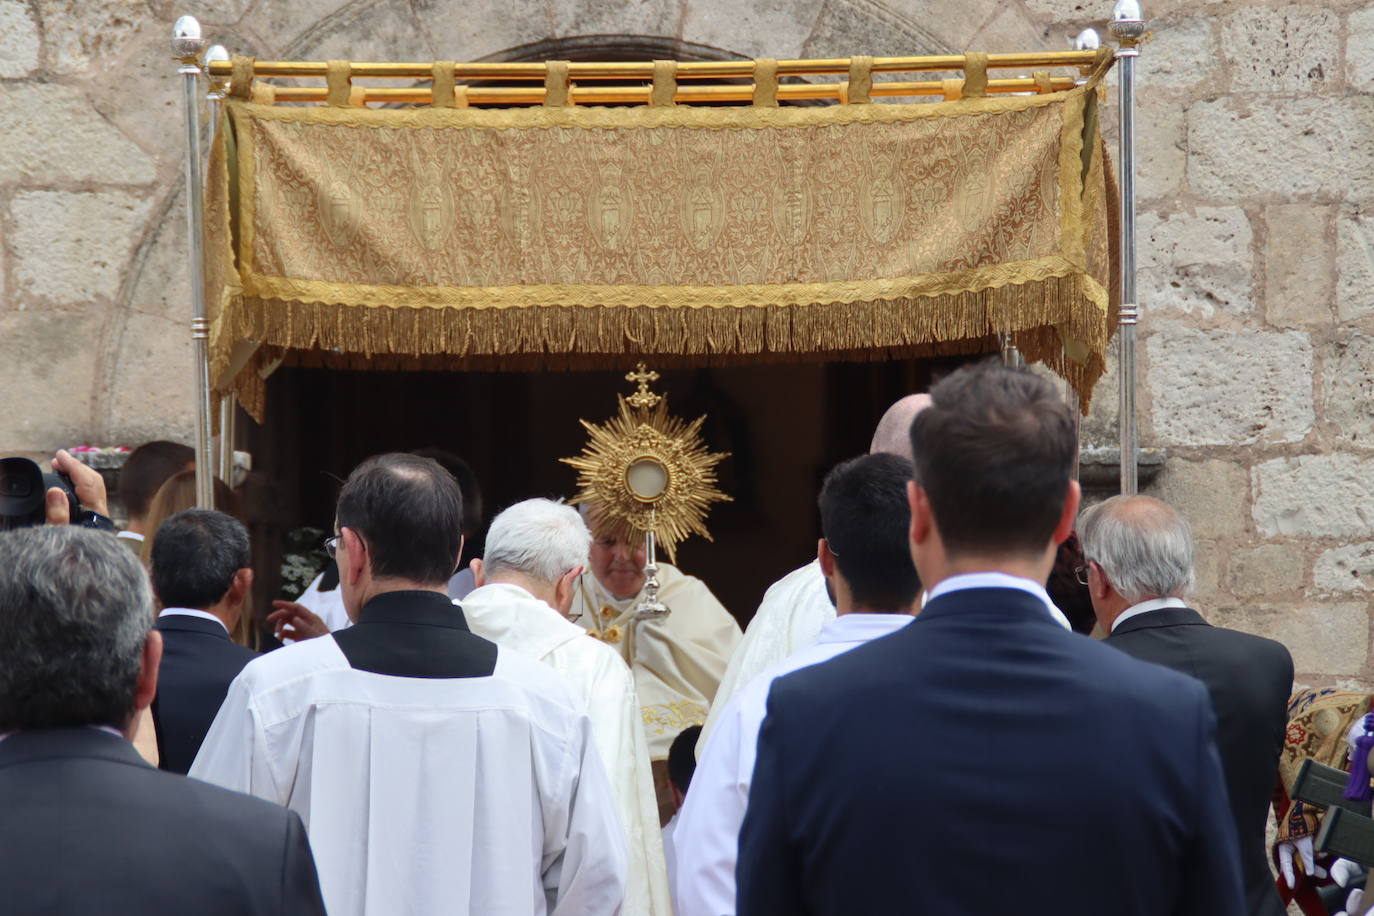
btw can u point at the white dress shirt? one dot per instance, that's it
(190, 612)
(790, 617)
(470, 796)
(1144, 607)
(998, 580)
(707, 836)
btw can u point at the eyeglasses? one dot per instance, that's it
(331, 544)
(1081, 574)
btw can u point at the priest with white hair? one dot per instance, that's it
(798, 606)
(535, 552)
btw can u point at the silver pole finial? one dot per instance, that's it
(1087, 40)
(1128, 22)
(186, 40)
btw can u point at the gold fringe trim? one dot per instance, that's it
(1041, 314)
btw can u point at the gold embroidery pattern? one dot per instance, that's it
(543, 232)
(672, 718)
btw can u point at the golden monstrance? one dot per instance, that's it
(649, 472)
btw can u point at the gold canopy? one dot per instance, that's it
(566, 235)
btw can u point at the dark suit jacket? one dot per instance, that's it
(199, 660)
(1249, 679)
(88, 827)
(985, 760)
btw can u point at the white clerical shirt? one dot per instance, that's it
(790, 617)
(514, 619)
(476, 793)
(1144, 607)
(707, 836)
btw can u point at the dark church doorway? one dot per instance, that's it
(784, 426)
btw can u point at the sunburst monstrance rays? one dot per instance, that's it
(640, 434)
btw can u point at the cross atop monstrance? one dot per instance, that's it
(642, 399)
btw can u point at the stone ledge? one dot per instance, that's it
(1099, 467)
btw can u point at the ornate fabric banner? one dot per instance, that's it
(594, 236)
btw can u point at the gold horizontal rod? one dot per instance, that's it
(587, 70)
(602, 95)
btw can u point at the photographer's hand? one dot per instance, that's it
(89, 486)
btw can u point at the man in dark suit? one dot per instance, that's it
(1139, 555)
(88, 827)
(985, 759)
(201, 576)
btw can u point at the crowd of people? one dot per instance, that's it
(917, 721)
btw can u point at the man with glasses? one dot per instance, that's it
(435, 772)
(1139, 570)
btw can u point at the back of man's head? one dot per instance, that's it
(994, 454)
(195, 556)
(537, 538)
(1145, 547)
(147, 468)
(409, 510)
(75, 611)
(865, 520)
(893, 433)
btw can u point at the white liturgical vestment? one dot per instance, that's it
(790, 617)
(677, 660)
(436, 772)
(514, 619)
(707, 836)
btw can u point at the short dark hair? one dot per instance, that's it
(409, 510)
(682, 757)
(195, 556)
(994, 454)
(75, 611)
(866, 521)
(146, 469)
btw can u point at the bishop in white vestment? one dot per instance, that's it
(677, 660)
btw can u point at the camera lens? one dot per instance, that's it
(15, 486)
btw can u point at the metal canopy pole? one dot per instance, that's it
(1127, 27)
(187, 46)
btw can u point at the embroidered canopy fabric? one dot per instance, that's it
(580, 236)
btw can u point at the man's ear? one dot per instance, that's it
(826, 558)
(458, 560)
(565, 590)
(1099, 586)
(479, 578)
(922, 520)
(357, 561)
(145, 688)
(240, 586)
(1069, 515)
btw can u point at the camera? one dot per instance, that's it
(23, 493)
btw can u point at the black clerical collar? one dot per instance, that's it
(415, 633)
(413, 606)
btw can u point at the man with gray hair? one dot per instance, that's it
(526, 581)
(84, 815)
(1139, 555)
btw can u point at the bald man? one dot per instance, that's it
(797, 606)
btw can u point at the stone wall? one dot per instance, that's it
(1257, 235)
